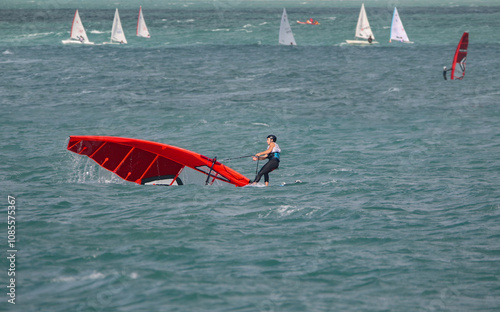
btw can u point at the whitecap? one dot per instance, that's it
(329, 182)
(93, 276)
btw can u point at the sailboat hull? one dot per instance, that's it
(360, 42)
(70, 41)
(401, 41)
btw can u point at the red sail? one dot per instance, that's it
(458, 67)
(149, 162)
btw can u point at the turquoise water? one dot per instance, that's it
(398, 209)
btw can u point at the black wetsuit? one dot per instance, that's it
(273, 163)
(444, 73)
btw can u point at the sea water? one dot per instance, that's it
(399, 205)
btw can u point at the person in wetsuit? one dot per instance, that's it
(273, 154)
(444, 72)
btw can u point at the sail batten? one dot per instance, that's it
(123, 160)
(145, 171)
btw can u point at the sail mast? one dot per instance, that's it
(73, 24)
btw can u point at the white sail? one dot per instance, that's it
(363, 30)
(117, 35)
(142, 29)
(286, 35)
(78, 34)
(398, 32)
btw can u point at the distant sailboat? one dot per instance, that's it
(398, 32)
(142, 29)
(363, 30)
(78, 34)
(286, 35)
(117, 35)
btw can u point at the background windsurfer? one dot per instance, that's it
(444, 72)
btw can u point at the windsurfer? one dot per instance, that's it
(370, 39)
(444, 72)
(273, 154)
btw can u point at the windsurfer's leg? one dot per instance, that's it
(266, 177)
(264, 171)
(259, 175)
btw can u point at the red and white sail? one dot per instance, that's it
(142, 29)
(78, 33)
(458, 67)
(146, 162)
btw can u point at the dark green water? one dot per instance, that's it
(399, 208)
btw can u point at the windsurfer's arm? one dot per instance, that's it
(263, 155)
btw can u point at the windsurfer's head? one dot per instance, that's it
(272, 137)
(444, 68)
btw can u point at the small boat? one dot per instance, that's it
(117, 34)
(363, 30)
(286, 35)
(78, 34)
(309, 22)
(398, 32)
(142, 29)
